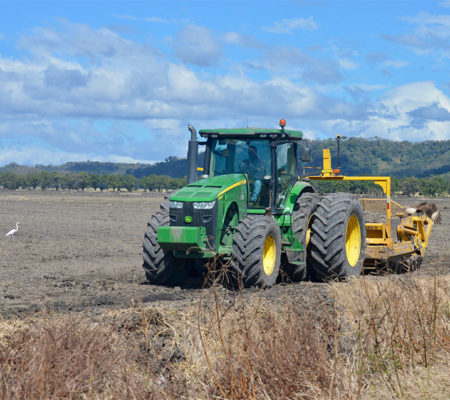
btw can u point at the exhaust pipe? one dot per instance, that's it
(338, 140)
(192, 156)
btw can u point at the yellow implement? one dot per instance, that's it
(398, 243)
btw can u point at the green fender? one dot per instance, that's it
(293, 248)
(298, 188)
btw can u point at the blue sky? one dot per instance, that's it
(120, 80)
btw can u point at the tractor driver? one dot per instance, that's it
(255, 168)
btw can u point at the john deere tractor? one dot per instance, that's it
(251, 210)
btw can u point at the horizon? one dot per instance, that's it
(184, 157)
(119, 81)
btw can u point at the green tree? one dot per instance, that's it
(9, 180)
(113, 182)
(410, 186)
(82, 180)
(33, 180)
(94, 181)
(45, 180)
(129, 182)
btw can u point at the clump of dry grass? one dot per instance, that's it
(400, 328)
(70, 357)
(256, 349)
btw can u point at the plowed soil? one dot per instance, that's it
(82, 251)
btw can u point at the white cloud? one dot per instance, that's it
(186, 86)
(445, 3)
(399, 115)
(294, 61)
(77, 40)
(158, 20)
(31, 155)
(310, 134)
(431, 34)
(287, 26)
(242, 40)
(347, 64)
(369, 88)
(429, 24)
(414, 95)
(395, 63)
(197, 45)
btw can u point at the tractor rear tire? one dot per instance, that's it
(256, 252)
(302, 219)
(161, 267)
(338, 237)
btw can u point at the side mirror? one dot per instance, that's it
(305, 153)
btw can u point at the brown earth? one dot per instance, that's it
(81, 251)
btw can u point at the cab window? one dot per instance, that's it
(287, 172)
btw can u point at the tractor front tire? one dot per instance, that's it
(256, 252)
(338, 237)
(161, 267)
(302, 219)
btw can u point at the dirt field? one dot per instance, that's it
(81, 251)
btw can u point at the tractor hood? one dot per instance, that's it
(209, 189)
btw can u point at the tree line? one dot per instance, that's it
(82, 181)
(429, 186)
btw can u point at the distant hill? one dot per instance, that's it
(358, 157)
(172, 166)
(386, 157)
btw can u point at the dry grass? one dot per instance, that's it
(400, 329)
(261, 350)
(377, 338)
(71, 357)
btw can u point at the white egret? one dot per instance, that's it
(13, 231)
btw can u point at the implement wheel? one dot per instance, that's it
(161, 267)
(256, 252)
(338, 237)
(404, 264)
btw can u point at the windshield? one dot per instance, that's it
(250, 157)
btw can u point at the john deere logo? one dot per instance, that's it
(188, 219)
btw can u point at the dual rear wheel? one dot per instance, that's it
(338, 237)
(330, 228)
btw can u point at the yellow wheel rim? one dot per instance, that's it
(353, 240)
(308, 231)
(269, 255)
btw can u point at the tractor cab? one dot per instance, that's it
(267, 158)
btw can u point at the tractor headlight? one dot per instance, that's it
(204, 205)
(175, 204)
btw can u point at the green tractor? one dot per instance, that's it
(251, 211)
